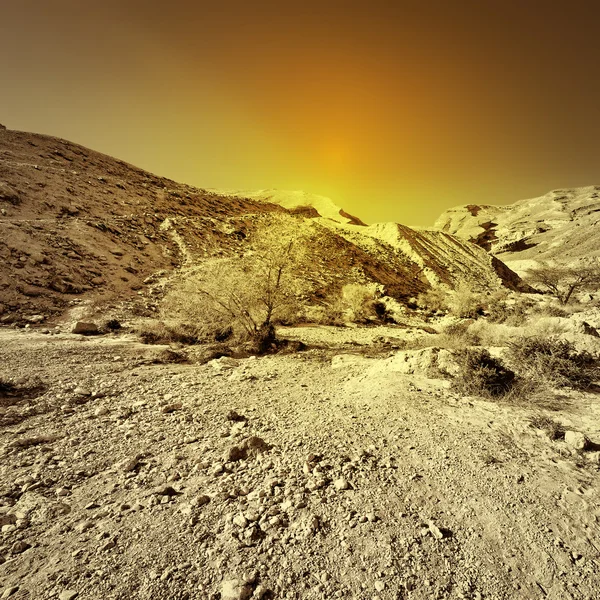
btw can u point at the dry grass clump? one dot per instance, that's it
(553, 362)
(510, 310)
(434, 300)
(464, 302)
(553, 429)
(354, 303)
(153, 331)
(480, 374)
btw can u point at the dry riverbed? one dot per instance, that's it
(280, 477)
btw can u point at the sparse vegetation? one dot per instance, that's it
(355, 303)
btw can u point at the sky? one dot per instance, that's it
(395, 110)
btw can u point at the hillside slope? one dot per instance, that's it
(561, 225)
(76, 224)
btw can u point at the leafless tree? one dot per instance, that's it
(562, 281)
(245, 294)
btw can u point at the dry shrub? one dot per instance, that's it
(480, 374)
(554, 362)
(358, 303)
(510, 310)
(491, 334)
(353, 303)
(458, 335)
(465, 302)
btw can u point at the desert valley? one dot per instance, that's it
(227, 395)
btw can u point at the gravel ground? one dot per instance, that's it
(280, 477)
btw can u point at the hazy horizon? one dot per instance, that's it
(395, 113)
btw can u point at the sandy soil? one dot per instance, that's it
(126, 478)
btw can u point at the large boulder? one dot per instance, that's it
(422, 362)
(83, 328)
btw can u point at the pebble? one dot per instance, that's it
(341, 484)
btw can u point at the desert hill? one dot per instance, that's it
(561, 225)
(299, 202)
(77, 224)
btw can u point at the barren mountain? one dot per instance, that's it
(562, 225)
(79, 224)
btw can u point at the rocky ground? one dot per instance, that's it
(292, 476)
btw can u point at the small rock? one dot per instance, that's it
(235, 589)
(260, 592)
(232, 415)
(130, 464)
(576, 440)
(81, 390)
(436, 532)
(9, 591)
(200, 500)
(166, 490)
(341, 484)
(108, 545)
(19, 547)
(169, 408)
(68, 595)
(235, 453)
(593, 458)
(240, 521)
(379, 586)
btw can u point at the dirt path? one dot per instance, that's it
(384, 486)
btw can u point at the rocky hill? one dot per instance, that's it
(561, 225)
(79, 224)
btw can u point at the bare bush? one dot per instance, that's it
(356, 303)
(466, 302)
(153, 331)
(563, 281)
(554, 362)
(463, 302)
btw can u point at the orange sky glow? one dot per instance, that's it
(396, 111)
